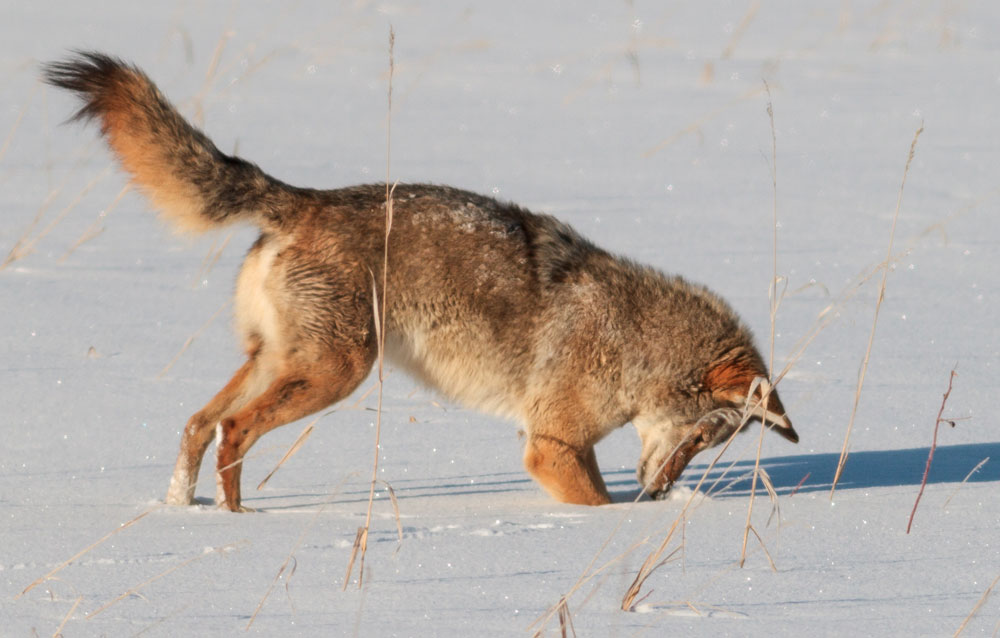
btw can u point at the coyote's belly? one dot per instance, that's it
(468, 369)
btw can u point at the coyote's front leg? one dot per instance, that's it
(569, 473)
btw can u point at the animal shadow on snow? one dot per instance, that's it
(864, 469)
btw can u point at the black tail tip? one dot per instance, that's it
(91, 74)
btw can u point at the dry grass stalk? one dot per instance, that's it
(24, 246)
(361, 540)
(565, 620)
(930, 455)
(58, 632)
(886, 265)
(799, 484)
(69, 208)
(299, 441)
(701, 121)
(964, 481)
(773, 302)
(191, 339)
(211, 258)
(740, 30)
(20, 116)
(975, 610)
(93, 230)
(290, 558)
(395, 512)
(213, 66)
(16, 252)
(87, 549)
(193, 559)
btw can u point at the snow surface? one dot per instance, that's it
(643, 124)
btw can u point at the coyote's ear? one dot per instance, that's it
(741, 382)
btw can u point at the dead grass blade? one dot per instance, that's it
(964, 481)
(701, 121)
(185, 563)
(361, 540)
(765, 385)
(211, 258)
(191, 339)
(92, 230)
(395, 511)
(759, 473)
(20, 116)
(299, 441)
(565, 621)
(291, 554)
(975, 610)
(799, 484)
(886, 266)
(213, 67)
(930, 454)
(738, 32)
(24, 246)
(16, 252)
(63, 565)
(58, 632)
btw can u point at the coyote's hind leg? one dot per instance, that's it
(201, 428)
(303, 389)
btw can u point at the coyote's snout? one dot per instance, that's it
(501, 309)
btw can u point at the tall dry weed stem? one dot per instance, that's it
(360, 547)
(885, 266)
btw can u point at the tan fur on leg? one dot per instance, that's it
(290, 397)
(568, 474)
(201, 428)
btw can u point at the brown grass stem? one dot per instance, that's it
(886, 266)
(190, 340)
(212, 258)
(149, 581)
(291, 554)
(17, 121)
(701, 121)
(92, 231)
(360, 547)
(741, 29)
(964, 481)
(975, 610)
(23, 247)
(930, 454)
(69, 561)
(773, 303)
(296, 445)
(69, 614)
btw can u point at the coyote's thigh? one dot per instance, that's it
(304, 388)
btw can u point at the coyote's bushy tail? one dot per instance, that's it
(195, 186)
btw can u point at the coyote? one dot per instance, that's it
(503, 310)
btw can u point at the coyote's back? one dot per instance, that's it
(499, 308)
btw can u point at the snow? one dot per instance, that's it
(645, 126)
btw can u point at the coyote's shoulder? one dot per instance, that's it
(500, 308)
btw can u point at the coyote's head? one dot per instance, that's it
(733, 393)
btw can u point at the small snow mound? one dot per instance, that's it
(681, 493)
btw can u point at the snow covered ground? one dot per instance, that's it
(643, 124)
